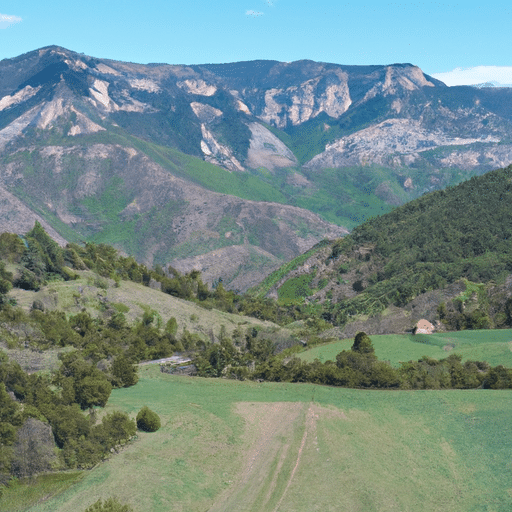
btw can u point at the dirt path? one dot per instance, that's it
(273, 453)
(172, 359)
(270, 432)
(309, 427)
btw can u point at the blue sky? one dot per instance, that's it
(439, 37)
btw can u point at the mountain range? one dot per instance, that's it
(231, 169)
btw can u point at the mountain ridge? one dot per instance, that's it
(329, 145)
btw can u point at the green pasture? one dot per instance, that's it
(247, 446)
(493, 346)
(19, 497)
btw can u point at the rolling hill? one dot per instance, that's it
(228, 445)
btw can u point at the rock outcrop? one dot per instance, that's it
(115, 152)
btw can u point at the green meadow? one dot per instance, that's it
(246, 446)
(493, 346)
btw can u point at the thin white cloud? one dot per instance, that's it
(254, 14)
(7, 19)
(498, 75)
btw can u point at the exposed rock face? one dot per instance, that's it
(205, 113)
(104, 148)
(197, 87)
(23, 95)
(217, 153)
(298, 104)
(266, 150)
(375, 145)
(398, 78)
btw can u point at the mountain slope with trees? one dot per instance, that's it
(446, 256)
(250, 163)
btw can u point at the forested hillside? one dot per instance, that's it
(446, 255)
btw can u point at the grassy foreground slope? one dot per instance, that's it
(491, 345)
(249, 446)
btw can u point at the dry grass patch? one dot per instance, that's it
(85, 293)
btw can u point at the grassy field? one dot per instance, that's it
(246, 446)
(493, 346)
(19, 497)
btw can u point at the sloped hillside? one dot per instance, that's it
(250, 162)
(446, 256)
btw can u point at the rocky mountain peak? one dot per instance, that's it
(254, 161)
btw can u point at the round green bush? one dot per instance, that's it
(147, 420)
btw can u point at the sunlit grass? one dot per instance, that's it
(493, 346)
(361, 450)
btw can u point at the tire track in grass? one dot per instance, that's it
(268, 427)
(309, 425)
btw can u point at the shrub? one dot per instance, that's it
(147, 420)
(28, 281)
(124, 373)
(94, 389)
(358, 286)
(38, 304)
(363, 344)
(110, 505)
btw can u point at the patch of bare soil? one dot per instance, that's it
(270, 430)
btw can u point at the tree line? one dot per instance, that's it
(40, 259)
(358, 367)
